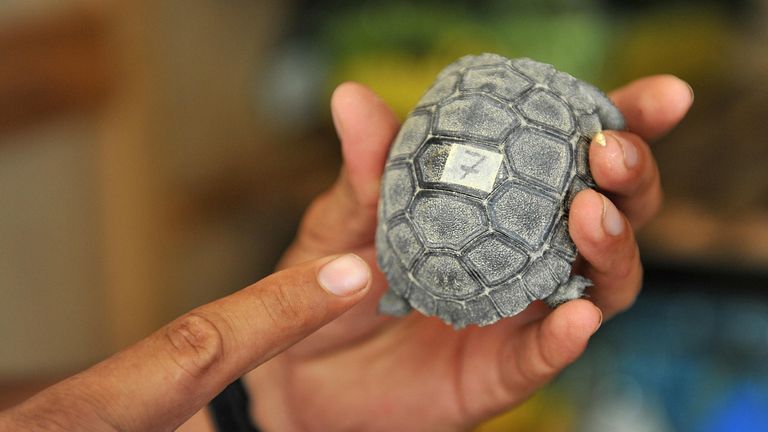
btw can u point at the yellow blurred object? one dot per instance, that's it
(398, 78)
(690, 43)
(547, 411)
(401, 79)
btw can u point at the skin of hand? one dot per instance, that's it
(360, 370)
(160, 382)
(370, 372)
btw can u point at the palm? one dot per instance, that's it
(415, 367)
(365, 371)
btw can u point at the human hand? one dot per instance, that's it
(161, 381)
(369, 372)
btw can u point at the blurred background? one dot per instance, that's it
(155, 155)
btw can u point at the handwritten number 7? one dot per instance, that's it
(472, 169)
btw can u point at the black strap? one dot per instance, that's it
(230, 409)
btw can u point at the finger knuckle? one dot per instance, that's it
(633, 291)
(634, 278)
(286, 307)
(195, 344)
(532, 366)
(537, 369)
(623, 266)
(632, 266)
(615, 258)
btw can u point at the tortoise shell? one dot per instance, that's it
(473, 214)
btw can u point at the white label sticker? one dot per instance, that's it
(471, 167)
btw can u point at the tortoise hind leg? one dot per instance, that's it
(573, 288)
(393, 304)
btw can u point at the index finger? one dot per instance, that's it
(653, 105)
(164, 379)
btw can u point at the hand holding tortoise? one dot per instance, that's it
(362, 370)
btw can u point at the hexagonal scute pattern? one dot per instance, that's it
(481, 310)
(561, 240)
(397, 276)
(577, 186)
(545, 108)
(474, 116)
(451, 312)
(421, 300)
(496, 260)
(542, 158)
(567, 86)
(499, 79)
(473, 213)
(610, 117)
(538, 280)
(559, 268)
(445, 277)
(446, 220)
(582, 158)
(413, 132)
(589, 125)
(431, 161)
(440, 90)
(511, 298)
(582, 98)
(400, 190)
(471, 61)
(404, 242)
(521, 213)
(539, 72)
(562, 83)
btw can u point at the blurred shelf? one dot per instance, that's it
(51, 65)
(691, 233)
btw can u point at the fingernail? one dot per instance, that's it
(344, 275)
(600, 321)
(613, 223)
(600, 139)
(628, 150)
(690, 89)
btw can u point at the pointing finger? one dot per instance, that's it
(163, 380)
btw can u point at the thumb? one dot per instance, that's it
(163, 380)
(540, 350)
(345, 217)
(366, 126)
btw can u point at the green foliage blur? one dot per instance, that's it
(398, 47)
